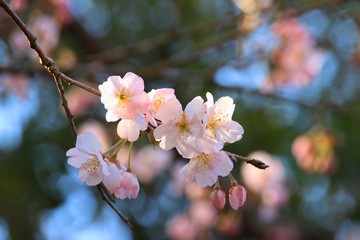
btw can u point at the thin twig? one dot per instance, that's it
(108, 199)
(255, 162)
(163, 39)
(45, 60)
(65, 105)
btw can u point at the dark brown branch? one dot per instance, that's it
(105, 196)
(256, 163)
(68, 112)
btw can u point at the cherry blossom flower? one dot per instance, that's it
(111, 181)
(128, 186)
(130, 128)
(124, 97)
(87, 156)
(237, 196)
(157, 98)
(179, 128)
(205, 168)
(218, 199)
(219, 126)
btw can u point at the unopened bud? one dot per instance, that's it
(217, 198)
(237, 196)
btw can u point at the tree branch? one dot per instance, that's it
(256, 163)
(51, 67)
(45, 60)
(68, 112)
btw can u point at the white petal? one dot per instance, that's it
(230, 132)
(133, 82)
(207, 179)
(170, 111)
(127, 129)
(210, 100)
(116, 82)
(74, 152)
(141, 122)
(224, 106)
(88, 142)
(209, 144)
(83, 174)
(197, 129)
(111, 181)
(195, 108)
(93, 180)
(222, 164)
(111, 117)
(187, 148)
(77, 161)
(190, 170)
(167, 134)
(133, 134)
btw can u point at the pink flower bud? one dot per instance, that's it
(237, 196)
(217, 198)
(129, 186)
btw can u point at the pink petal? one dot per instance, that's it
(111, 117)
(167, 134)
(170, 111)
(133, 82)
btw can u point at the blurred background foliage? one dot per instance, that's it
(292, 68)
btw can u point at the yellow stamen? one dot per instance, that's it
(123, 96)
(91, 166)
(213, 124)
(157, 103)
(205, 163)
(183, 124)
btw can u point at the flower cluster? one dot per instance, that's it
(198, 132)
(296, 61)
(96, 167)
(314, 151)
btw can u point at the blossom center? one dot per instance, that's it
(205, 163)
(213, 124)
(157, 103)
(91, 166)
(123, 96)
(183, 124)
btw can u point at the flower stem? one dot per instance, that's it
(128, 166)
(217, 185)
(120, 142)
(232, 179)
